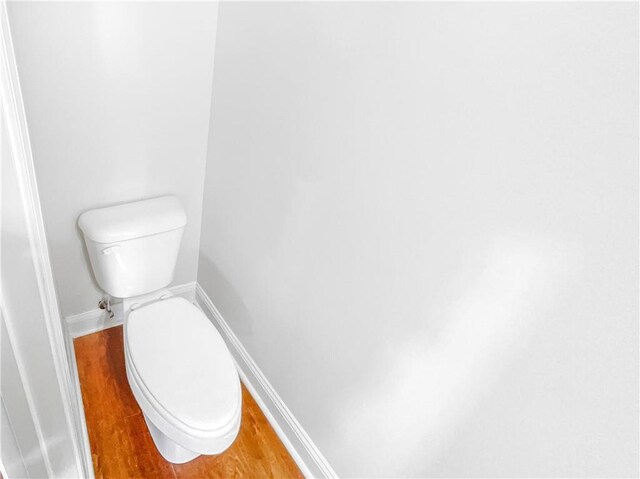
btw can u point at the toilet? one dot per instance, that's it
(178, 366)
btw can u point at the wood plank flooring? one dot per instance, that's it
(121, 445)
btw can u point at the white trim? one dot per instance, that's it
(298, 443)
(81, 421)
(97, 319)
(91, 322)
(21, 148)
(29, 395)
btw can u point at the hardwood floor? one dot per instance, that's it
(121, 445)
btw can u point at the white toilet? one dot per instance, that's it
(179, 368)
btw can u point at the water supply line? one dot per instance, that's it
(106, 305)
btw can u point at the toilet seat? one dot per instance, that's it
(182, 375)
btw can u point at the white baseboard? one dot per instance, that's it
(80, 421)
(293, 436)
(97, 319)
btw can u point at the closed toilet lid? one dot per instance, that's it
(183, 363)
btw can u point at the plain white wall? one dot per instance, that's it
(27, 359)
(117, 96)
(17, 428)
(421, 219)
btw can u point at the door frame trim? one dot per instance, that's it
(19, 143)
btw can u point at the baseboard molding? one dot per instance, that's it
(97, 319)
(298, 443)
(80, 421)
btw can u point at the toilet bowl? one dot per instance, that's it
(179, 369)
(183, 377)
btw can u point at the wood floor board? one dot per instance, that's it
(121, 445)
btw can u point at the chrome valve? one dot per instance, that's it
(106, 305)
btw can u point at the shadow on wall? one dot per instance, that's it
(434, 387)
(225, 297)
(85, 256)
(70, 259)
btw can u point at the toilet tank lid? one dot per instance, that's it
(133, 220)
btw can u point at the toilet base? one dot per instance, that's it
(169, 449)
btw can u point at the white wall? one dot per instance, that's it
(10, 457)
(30, 389)
(117, 96)
(20, 451)
(421, 219)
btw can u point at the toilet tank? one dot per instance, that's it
(133, 247)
